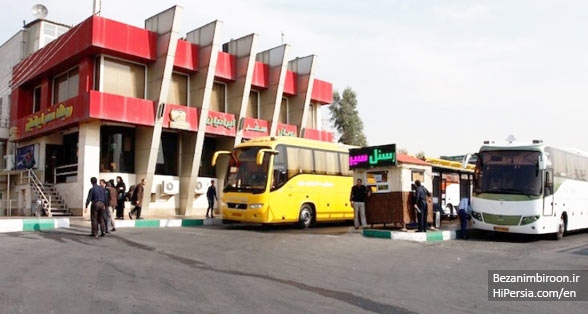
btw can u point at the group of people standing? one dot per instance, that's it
(105, 198)
(360, 194)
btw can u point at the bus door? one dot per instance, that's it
(548, 193)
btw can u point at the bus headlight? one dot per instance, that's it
(256, 206)
(529, 219)
(477, 216)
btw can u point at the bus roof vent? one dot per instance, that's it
(486, 142)
(537, 141)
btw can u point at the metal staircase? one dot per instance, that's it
(45, 196)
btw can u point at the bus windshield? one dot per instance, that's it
(508, 172)
(244, 174)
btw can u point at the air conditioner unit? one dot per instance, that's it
(171, 187)
(202, 185)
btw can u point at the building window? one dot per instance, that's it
(377, 181)
(218, 101)
(122, 78)
(167, 157)
(4, 120)
(311, 117)
(283, 118)
(117, 149)
(208, 149)
(37, 99)
(70, 149)
(253, 105)
(66, 86)
(178, 89)
(51, 32)
(417, 175)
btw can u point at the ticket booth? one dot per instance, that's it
(389, 176)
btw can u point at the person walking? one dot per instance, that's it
(421, 205)
(358, 197)
(121, 188)
(111, 204)
(211, 196)
(97, 196)
(137, 200)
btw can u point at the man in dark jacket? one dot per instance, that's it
(137, 200)
(421, 204)
(96, 195)
(358, 197)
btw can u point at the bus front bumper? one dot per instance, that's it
(248, 215)
(540, 226)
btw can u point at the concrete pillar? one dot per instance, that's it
(238, 91)
(166, 25)
(88, 159)
(271, 99)
(304, 68)
(207, 38)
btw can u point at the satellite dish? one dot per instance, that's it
(40, 11)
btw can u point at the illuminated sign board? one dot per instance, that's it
(38, 121)
(373, 156)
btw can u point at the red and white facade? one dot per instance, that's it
(108, 99)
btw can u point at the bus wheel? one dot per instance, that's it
(305, 218)
(561, 228)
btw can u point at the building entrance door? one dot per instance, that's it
(53, 155)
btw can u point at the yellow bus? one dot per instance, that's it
(282, 179)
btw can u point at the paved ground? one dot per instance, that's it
(245, 269)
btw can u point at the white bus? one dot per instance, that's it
(530, 189)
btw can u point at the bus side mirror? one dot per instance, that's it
(217, 154)
(466, 160)
(541, 162)
(262, 152)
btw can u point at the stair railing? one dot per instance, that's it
(37, 185)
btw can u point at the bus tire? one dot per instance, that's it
(561, 228)
(305, 217)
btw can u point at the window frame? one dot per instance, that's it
(130, 166)
(257, 108)
(187, 87)
(285, 101)
(37, 99)
(100, 69)
(54, 100)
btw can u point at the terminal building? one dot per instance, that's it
(106, 99)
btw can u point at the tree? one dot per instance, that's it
(346, 119)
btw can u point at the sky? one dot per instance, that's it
(433, 76)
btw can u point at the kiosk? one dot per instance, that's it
(389, 176)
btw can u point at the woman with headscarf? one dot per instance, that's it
(120, 203)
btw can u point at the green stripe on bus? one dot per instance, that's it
(192, 222)
(371, 233)
(38, 224)
(435, 236)
(146, 223)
